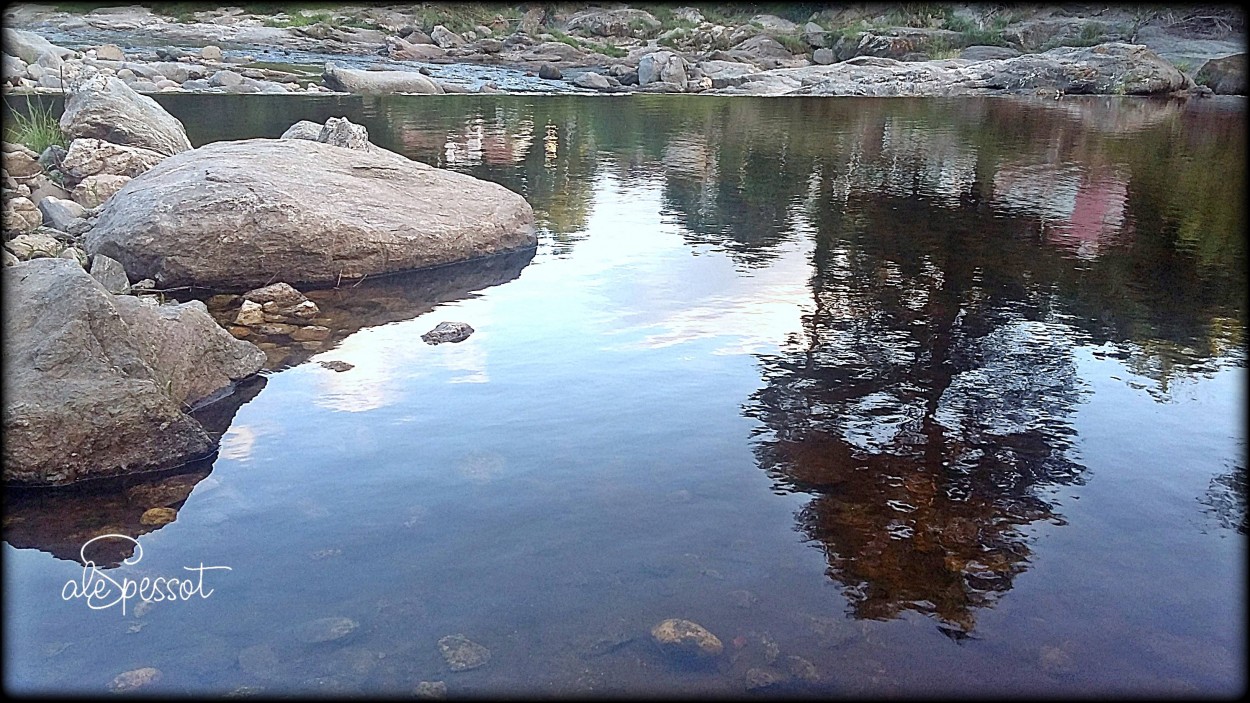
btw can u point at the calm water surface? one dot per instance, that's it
(895, 397)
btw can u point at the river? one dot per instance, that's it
(893, 396)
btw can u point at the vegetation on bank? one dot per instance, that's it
(37, 128)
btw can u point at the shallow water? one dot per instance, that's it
(939, 396)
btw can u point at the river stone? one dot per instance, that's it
(110, 274)
(1224, 76)
(250, 314)
(22, 163)
(211, 53)
(135, 679)
(242, 213)
(91, 157)
(304, 129)
(59, 213)
(549, 72)
(110, 52)
(662, 67)
(81, 398)
(763, 679)
(158, 516)
(74, 254)
(378, 82)
(822, 56)
(686, 639)
(326, 630)
(283, 294)
(225, 79)
(29, 46)
(436, 690)
(590, 79)
(94, 190)
(445, 38)
(462, 653)
(447, 332)
(21, 215)
(34, 245)
(106, 108)
(194, 359)
(339, 131)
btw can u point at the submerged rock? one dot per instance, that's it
(242, 213)
(447, 332)
(135, 679)
(326, 630)
(158, 516)
(462, 653)
(430, 689)
(684, 638)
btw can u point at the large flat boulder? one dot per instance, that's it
(97, 385)
(106, 108)
(237, 215)
(378, 82)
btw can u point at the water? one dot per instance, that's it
(939, 396)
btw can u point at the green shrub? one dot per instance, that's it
(37, 128)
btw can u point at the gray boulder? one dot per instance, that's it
(378, 82)
(445, 38)
(242, 213)
(304, 129)
(110, 274)
(662, 67)
(986, 53)
(339, 131)
(1224, 76)
(106, 108)
(94, 190)
(96, 383)
(447, 332)
(592, 80)
(614, 23)
(549, 72)
(60, 214)
(21, 215)
(29, 46)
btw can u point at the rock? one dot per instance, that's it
(34, 246)
(9, 259)
(430, 689)
(764, 51)
(74, 254)
(30, 47)
(311, 333)
(662, 66)
(802, 669)
(110, 52)
(135, 679)
(326, 630)
(310, 212)
(60, 214)
(549, 72)
(815, 36)
(987, 53)
(92, 157)
(21, 215)
(110, 274)
(90, 386)
(196, 85)
(170, 53)
(762, 679)
(447, 332)
(211, 53)
(686, 639)
(822, 57)
(250, 314)
(590, 79)
(105, 108)
(275, 329)
(462, 653)
(304, 129)
(282, 294)
(94, 190)
(225, 79)
(20, 164)
(378, 82)
(773, 23)
(445, 38)
(1224, 76)
(1113, 68)
(12, 69)
(158, 516)
(336, 365)
(339, 131)
(402, 50)
(614, 23)
(51, 157)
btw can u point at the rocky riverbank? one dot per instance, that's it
(870, 49)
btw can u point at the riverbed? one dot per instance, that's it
(894, 397)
